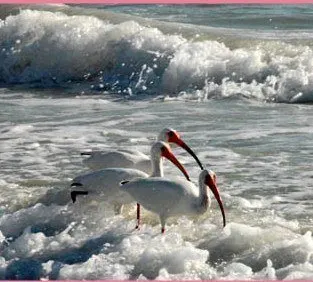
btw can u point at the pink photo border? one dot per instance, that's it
(125, 2)
(279, 2)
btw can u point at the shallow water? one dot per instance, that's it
(53, 109)
(259, 152)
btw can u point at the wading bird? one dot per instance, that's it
(106, 181)
(131, 158)
(168, 198)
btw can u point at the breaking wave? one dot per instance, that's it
(130, 58)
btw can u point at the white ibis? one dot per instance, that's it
(106, 181)
(134, 159)
(168, 198)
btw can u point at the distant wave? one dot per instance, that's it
(125, 56)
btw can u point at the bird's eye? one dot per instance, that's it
(170, 134)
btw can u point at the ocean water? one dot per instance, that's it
(235, 80)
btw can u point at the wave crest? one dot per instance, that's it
(50, 49)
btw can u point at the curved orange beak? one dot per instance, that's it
(211, 182)
(167, 153)
(175, 138)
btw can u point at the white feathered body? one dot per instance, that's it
(166, 197)
(105, 182)
(122, 158)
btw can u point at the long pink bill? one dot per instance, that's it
(175, 138)
(167, 153)
(211, 182)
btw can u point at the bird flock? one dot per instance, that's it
(127, 176)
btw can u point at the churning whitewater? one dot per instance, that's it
(236, 83)
(137, 57)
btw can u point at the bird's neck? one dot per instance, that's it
(204, 199)
(157, 167)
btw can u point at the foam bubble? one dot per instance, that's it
(13, 224)
(170, 253)
(100, 266)
(237, 271)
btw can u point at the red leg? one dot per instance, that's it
(138, 216)
(162, 220)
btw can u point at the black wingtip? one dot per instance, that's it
(124, 182)
(75, 193)
(85, 153)
(76, 184)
